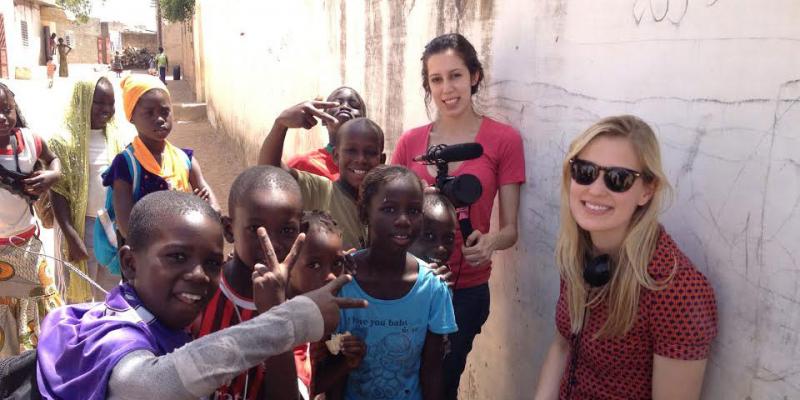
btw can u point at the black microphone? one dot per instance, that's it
(443, 153)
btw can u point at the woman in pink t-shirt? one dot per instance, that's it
(451, 76)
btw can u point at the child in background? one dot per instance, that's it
(359, 150)
(135, 346)
(26, 279)
(320, 261)
(436, 243)
(51, 71)
(163, 166)
(261, 196)
(410, 308)
(321, 162)
(89, 141)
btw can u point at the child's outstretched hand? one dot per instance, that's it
(329, 305)
(40, 181)
(305, 114)
(270, 281)
(444, 273)
(353, 349)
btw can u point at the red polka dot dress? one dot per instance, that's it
(677, 322)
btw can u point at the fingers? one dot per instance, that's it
(346, 302)
(335, 285)
(319, 103)
(472, 238)
(266, 247)
(322, 114)
(431, 190)
(298, 244)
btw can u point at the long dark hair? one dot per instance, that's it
(21, 123)
(460, 45)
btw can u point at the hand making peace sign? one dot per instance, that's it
(305, 114)
(270, 281)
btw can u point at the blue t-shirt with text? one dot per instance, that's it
(394, 331)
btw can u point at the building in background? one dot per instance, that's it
(26, 25)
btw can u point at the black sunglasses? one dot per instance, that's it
(617, 179)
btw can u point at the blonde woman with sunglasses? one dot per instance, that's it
(635, 319)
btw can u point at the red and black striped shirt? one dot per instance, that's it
(227, 308)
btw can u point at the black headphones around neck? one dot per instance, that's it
(597, 272)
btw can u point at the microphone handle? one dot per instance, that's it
(464, 223)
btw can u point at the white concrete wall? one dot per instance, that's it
(718, 79)
(27, 56)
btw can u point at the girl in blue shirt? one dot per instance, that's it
(410, 308)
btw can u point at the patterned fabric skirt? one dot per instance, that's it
(29, 293)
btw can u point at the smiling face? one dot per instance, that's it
(606, 215)
(395, 214)
(358, 151)
(450, 83)
(436, 242)
(277, 211)
(320, 261)
(176, 274)
(102, 104)
(152, 116)
(8, 113)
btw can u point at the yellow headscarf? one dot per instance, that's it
(71, 147)
(134, 86)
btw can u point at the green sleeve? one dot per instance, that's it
(316, 190)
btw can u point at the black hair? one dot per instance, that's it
(433, 200)
(160, 49)
(363, 125)
(374, 181)
(61, 39)
(319, 221)
(460, 45)
(261, 177)
(149, 213)
(21, 123)
(363, 107)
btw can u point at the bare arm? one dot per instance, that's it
(480, 246)
(677, 379)
(200, 186)
(61, 210)
(430, 371)
(42, 180)
(123, 203)
(555, 362)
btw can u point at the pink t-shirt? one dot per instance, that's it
(502, 163)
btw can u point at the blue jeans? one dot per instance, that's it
(471, 306)
(162, 74)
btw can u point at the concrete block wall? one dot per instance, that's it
(718, 80)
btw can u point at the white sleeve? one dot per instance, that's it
(201, 366)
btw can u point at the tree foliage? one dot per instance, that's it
(177, 10)
(81, 8)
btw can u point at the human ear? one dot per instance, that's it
(127, 263)
(474, 78)
(647, 194)
(227, 228)
(336, 155)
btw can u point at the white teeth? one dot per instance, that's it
(189, 297)
(450, 102)
(359, 171)
(596, 207)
